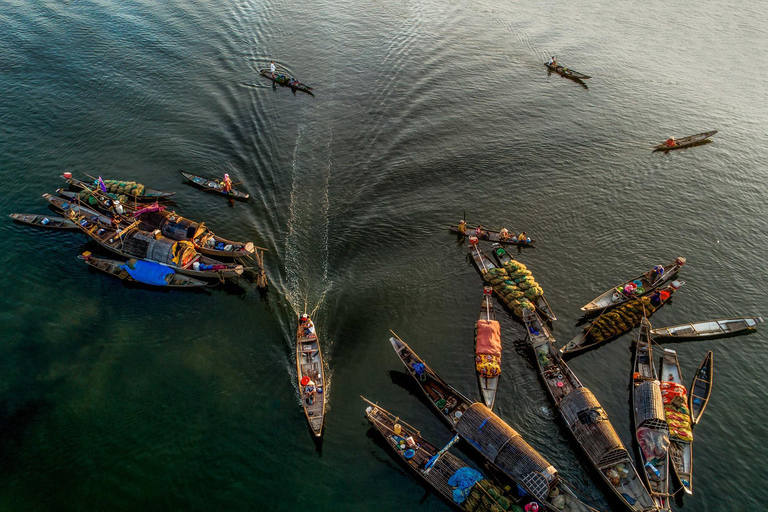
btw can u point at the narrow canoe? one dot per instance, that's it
(567, 73)
(701, 388)
(586, 419)
(309, 365)
(501, 445)
(283, 80)
(118, 269)
(711, 329)
(686, 141)
(493, 236)
(412, 450)
(680, 449)
(214, 185)
(646, 283)
(502, 256)
(44, 221)
(649, 421)
(148, 194)
(63, 205)
(487, 332)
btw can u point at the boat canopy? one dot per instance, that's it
(503, 445)
(488, 338)
(649, 407)
(589, 423)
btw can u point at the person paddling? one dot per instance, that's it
(552, 62)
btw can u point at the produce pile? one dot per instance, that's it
(486, 497)
(86, 196)
(515, 285)
(129, 188)
(625, 317)
(676, 410)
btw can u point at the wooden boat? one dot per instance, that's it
(711, 329)
(567, 73)
(125, 270)
(145, 194)
(214, 185)
(586, 419)
(701, 388)
(309, 370)
(493, 236)
(645, 283)
(503, 257)
(44, 221)
(501, 445)
(681, 441)
(649, 422)
(131, 242)
(170, 224)
(686, 142)
(284, 81)
(618, 321)
(488, 349)
(435, 467)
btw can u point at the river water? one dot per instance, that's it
(125, 398)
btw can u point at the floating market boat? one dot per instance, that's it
(214, 185)
(145, 272)
(497, 278)
(285, 81)
(152, 217)
(455, 482)
(567, 73)
(488, 349)
(309, 370)
(518, 271)
(649, 422)
(678, 417)
(501, 445)
(711, 329)
(131, 242)
(685, 142)
(586, 419)
(701, 388)
(493, 236)
(638, 286)
(127, 189)
(619, 320)
(44, 221)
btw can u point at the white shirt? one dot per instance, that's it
(272, 67)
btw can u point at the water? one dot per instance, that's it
(121, 398)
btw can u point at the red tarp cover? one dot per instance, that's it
(488, 338)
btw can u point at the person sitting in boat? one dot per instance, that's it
(523, 237)
(310, 391)
(463, 227)
(227, 184)
(480, 232)
(272, 68)
(503, 235)
(552, 62)
(671, 142)
(657, 271)
(307, 325)
(656, 298)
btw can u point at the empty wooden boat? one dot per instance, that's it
(649, 422)
(678, 416)
(311, 374)
(501, 445)
(586, 419)
(441, 471)
(488, 349)
(214, 185)
(44, 221)
(145, 272)
(567, 73)
(64, 205)
(638, 286)
(711, 329)
(701, 387)
(492, 236)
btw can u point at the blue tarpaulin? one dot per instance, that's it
(463, 480)
(148, 272)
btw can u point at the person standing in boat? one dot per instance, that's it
(227, 184)
(463, 227)
(272, 68)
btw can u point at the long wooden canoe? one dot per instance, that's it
(309, 365)
(149, 194)
(283, 80)
(686, 141)
(118, 269)
(649, 422)
(44, 221)
(502, 256)
(567, 73)
(680, 449)
(701, 387)
(646, 283)
(214, 185)
(64, 205)
(586, 419)
(722, 328)
(487, 325)
(493, 236)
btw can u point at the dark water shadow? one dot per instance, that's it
(571, 78)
